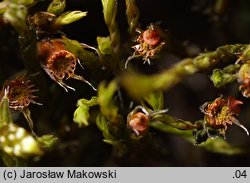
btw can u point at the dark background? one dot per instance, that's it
(193, 23)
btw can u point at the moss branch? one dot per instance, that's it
(133, 14)
(110, 13)
(176, 123)
(139, 85)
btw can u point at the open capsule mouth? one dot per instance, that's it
(62, 64)
(20, 92)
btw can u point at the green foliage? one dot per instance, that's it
(110, 13)
(5, 116)
(132, 13)
(176, 123)
(16, 15)
(103, 125)
(87, 57)
(104, 45)
(110, 136)
(112, 107)
(27, 3)
(245, 55)
(155, 100)
(81, 114)
(57, 7)
(217, 145)
(14, 140)
(47, 141)
(108, 57)
(105, 99)
(70, 17)
(186, 67)
(221, 146)
(220, 78)
(228, 74)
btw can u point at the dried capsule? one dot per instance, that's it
(58, 62)
(150, 37)
(20, 92)
(47, 24)
(138, 119)
(139, 123)
(221, 113)
(44, 24)
(149, 42)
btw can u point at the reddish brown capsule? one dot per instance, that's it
(21, 95)
(138, 119)
(149, 42)
(139, 123)
(21, 92)
(58, 62)
(150, 37)
(222, 112)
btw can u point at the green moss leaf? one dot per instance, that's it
(84, 102)
(110, 14)
(217, 145)
(220, 78)
(3, 6)
(24, 2)
(221, 146)
(16, 15)
(103, 125)
(81, 114)
(47, 141)
(86, 56)
(245, 57)
(108, 57)
(109, 10)
(174, 122)
(104, 45)
(5, 116)
(105, 100)
(69, 17)
(57, 7)
(155, 100)
(187, 134)
(72, 45)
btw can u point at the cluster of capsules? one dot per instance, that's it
(56, 60)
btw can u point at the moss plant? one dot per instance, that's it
(107, 85)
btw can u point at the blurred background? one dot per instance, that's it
(196, 26)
